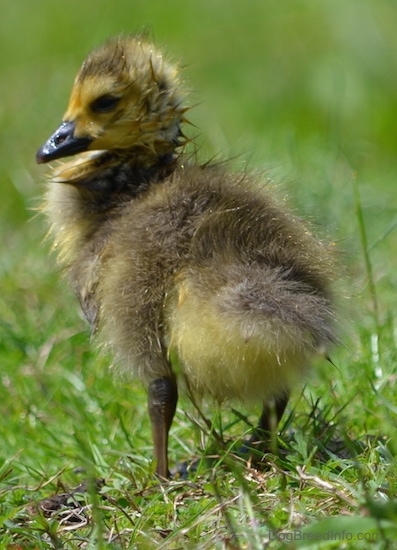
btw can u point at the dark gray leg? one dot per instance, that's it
(263, 437)
(162, 400)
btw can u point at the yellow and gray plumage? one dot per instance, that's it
(168, 257)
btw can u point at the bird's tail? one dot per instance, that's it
(250, 338)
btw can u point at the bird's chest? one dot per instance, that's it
(85, 275)
(124, 280)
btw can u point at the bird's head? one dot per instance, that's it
(125, 96)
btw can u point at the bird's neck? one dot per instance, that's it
(117, 172)
(85, 194)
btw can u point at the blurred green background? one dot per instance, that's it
(305, 90)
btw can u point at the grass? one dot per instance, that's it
(306, 91)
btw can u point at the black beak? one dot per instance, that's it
(62, 143)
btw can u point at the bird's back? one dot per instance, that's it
(206, 265)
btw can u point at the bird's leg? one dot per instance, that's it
(264, 436)
(162, 400)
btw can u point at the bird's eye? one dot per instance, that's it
(104, 104)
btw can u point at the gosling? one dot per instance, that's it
(173, 259)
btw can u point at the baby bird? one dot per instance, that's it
(172, 259)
